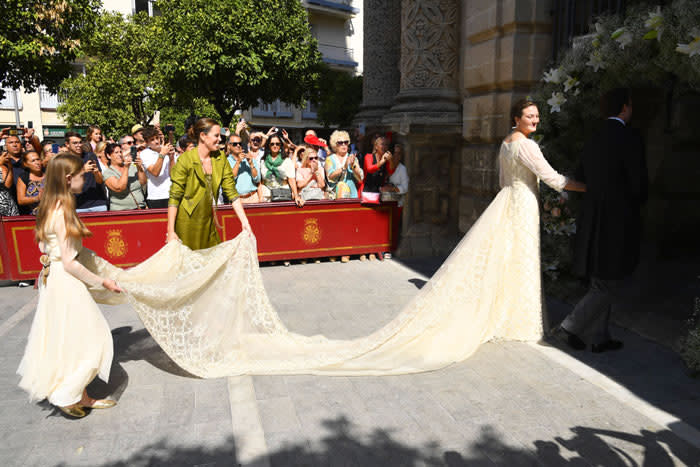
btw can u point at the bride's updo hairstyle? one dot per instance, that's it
(56, 191)
(517, 109)
(203, 125)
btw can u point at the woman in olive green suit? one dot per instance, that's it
(196, 179)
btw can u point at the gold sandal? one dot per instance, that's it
(101, 404)
(73, 411)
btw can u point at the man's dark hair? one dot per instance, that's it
(72, 134)
(149, 132)
(184, 141)
(190, 121)
(613, 101)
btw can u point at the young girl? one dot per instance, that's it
(70, 341)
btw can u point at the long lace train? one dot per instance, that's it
(209, 311)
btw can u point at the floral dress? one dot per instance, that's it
(8, 206)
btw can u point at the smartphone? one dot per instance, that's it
(134, 152)
(30, 124)
(55, 148)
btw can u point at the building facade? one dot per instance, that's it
(442, 75)
(337, 25)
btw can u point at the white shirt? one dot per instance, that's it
(400, 180)
(158, 187)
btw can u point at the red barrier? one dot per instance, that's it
(283, 231)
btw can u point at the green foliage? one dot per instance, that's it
(120, 86)
(339, 97)
(233, 52)
(39, 40)
(649, 48)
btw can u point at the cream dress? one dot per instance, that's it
(209, 311)
(70, 341)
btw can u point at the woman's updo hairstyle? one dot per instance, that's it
(517, 109)
(203, 125)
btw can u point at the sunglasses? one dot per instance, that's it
(275, 144)
(313, 158)
(256, 140)
(343, 143)
(128, 142)
(235, 143)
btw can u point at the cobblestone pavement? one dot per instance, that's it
(511, 404)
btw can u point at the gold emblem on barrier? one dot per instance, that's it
(312, 232)
(115, 245)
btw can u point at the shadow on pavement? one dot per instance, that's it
(344, 445)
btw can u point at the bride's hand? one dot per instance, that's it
(111, 284)
(172, 236)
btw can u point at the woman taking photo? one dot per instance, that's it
(125, 180)
(196, 180)
(8, 206)
(30, 183)
(70, 341)
(376, 164)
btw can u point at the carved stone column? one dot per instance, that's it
(427, 117)
(382, 40)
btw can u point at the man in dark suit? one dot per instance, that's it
(608, 229)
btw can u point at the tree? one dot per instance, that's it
(39, 40)
(234, 52)
(121, 85)
(339, 97)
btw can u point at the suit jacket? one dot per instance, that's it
(188, 190)
(608, 228)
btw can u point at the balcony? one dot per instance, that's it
(310, 112)
(339, 8)
(8, 103)
(48, 101)
(276, 109)
(337, 55)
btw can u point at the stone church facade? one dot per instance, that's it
(442, 76)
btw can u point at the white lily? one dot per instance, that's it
(570, 83)
(622, 37)
(692, 48)
(655, 24)
(554, 75)
(595, 61)
(556, 101)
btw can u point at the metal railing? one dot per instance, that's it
(337, 53)
(47, 100)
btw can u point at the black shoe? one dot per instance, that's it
(559, 334)
(611, 344)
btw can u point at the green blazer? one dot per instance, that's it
(188, 191)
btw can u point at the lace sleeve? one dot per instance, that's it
(69, 253)
(531, 156)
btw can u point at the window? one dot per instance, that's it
(310, 111)
(146, 6)
(273, 109)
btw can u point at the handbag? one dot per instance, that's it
(280, 194)
(311, 193)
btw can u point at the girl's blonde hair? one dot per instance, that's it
(56, 191)
(99, 147)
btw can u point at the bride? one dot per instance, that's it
(209, 311)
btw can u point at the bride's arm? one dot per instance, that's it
(240, 212)
(531, 156)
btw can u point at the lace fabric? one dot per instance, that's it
(209, 311)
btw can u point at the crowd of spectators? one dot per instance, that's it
(134, 172)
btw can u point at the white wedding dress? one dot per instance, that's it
(210, 313)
